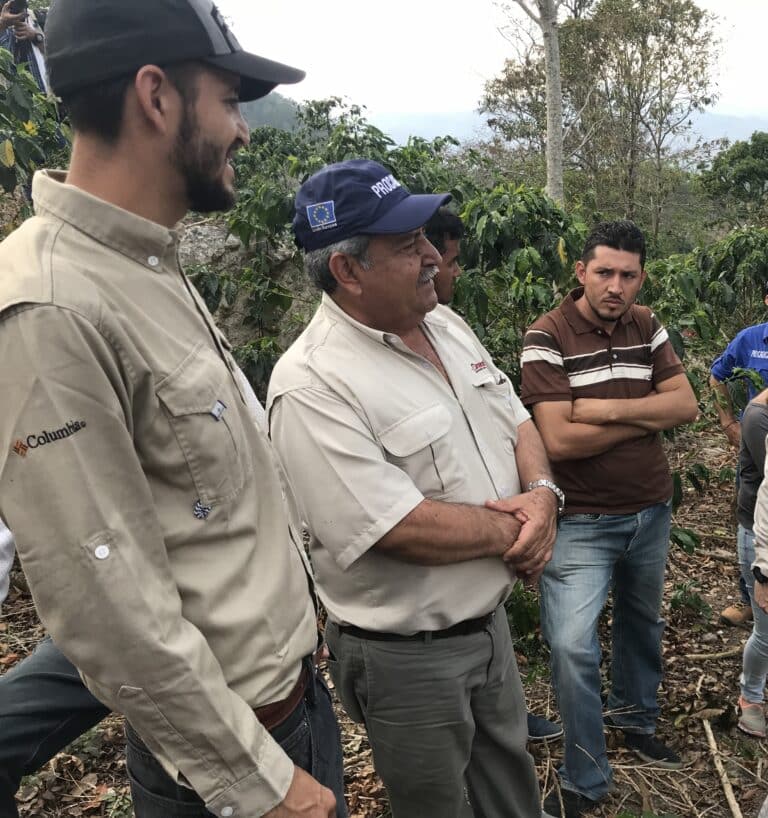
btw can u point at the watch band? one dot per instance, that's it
(555, 489)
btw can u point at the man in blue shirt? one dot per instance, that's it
(748, 350)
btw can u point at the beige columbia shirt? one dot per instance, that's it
(146, 504)
(366, 430)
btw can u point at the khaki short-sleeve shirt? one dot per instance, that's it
(366, 430)
(146, 504)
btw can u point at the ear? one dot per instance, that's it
(157, 98)
(346, 272)
(581, 271)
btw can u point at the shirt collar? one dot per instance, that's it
(579, 323)
(334, 311)
(146, 242)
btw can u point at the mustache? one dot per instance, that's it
(427, 274)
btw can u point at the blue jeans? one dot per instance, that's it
(755, 661)
(310, 737)
(44, 706)
(594, 553)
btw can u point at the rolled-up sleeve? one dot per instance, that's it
(73, 491)
(723, 366)
(339, 472)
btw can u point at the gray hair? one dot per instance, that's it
(316, 261)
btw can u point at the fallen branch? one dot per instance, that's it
(722, 655)
(723, 556)
(724, 780)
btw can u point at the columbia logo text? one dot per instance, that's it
(34, 441)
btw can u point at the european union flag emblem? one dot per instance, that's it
(321, 216)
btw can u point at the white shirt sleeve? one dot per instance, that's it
(7, 550)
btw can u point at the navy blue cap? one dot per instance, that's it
(358, 197)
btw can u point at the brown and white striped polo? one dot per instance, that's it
(566, 357)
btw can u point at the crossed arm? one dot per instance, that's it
(521, 529)
(590, 426)
(313, 425)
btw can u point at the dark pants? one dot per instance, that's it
(310, 737)
(43, 707)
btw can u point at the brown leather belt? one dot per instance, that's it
(274, 714)
(468, 626)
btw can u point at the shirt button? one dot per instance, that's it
(101, 552)
(226, 812)
(153, 261)
(615, 356)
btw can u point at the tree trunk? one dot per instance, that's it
(548, 23)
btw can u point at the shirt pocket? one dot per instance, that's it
(420, 445)
(498, 402)
(201, 405)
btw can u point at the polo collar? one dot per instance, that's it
(146, 242)
(579, 323)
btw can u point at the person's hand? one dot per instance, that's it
(306, 798)
(537, 511)
(8, 18)
(761, 596)
(733, 433)
(24, 31)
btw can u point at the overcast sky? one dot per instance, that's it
(415, 55)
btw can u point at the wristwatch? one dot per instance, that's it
(759, 576)
(556, 490)
(38, 38)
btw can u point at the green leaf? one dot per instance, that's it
(677, 490)
(687, 539)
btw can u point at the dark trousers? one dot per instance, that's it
(43, 707)
(310, 737)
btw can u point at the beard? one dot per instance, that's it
(199, 161)
(608, 317)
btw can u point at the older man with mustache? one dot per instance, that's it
(425, 490)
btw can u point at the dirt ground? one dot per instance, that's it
(702, 659)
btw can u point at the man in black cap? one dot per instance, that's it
(147, 507)
(425, 490)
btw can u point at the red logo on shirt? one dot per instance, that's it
(479, 366)
(21, 448)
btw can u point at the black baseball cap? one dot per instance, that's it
(358, 197)
(100, 40)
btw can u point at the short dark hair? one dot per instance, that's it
(445, 223)
(619, 235)
(98, 109)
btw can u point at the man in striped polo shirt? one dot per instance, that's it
(603, 381)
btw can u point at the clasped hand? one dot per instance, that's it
(536, 511)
